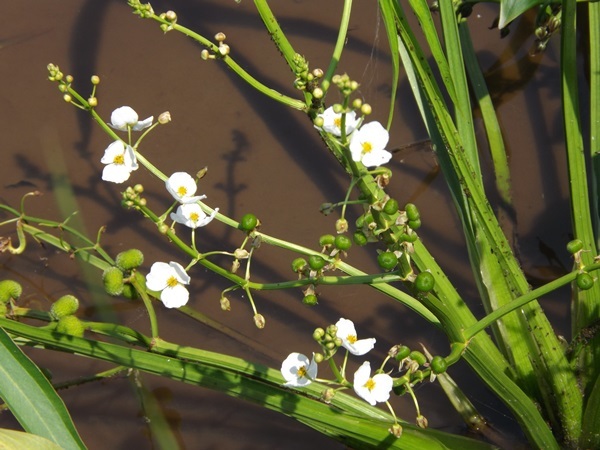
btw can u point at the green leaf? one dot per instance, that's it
(511, 9)
(18, 440)
(32, 399)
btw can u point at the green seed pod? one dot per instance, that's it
(418, 357)
(310, 300)
(412, 212)
(409, 237)
(113, 281)
(391, 206)
(403, 352)
(359, 238)
(249, 222)
(9, 290)
(574, 246)
(67, 305)
(438, 365)
(326, 239)
(129, 291)
(342, 242)
(387, 260)
(584, 281)
(316, 262)
(130, 259)
(415, 224)
(70, 325)
(425, 282)
(298, 265)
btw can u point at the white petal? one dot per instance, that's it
(376, 158)
(174, 297)
(115, 173)
(361, 346)
(292, 364)
(376, 134)
(114, 149)
(123, 116)
(156, 280)
(143, 124)
(383, 387)
(130, 159)
(361, 377)
(179, 272)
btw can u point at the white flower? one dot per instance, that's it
(332, 122)
(347, 333)
(367, 145)
(168, 279)
(125, 117)
(374, 389)
(120, 162)
(191, 215)
(182, 187)
(298, 371)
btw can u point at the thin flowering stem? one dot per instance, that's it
(148, 304)
(271, 93)
(339, 46)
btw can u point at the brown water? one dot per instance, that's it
(262, 158)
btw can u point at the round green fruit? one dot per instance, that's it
(425, 282)
(387, 260)
(584, 281)
(342, 242)
(249, 222)
(316, 262)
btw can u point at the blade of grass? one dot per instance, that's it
(32, 399)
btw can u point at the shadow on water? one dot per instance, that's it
(263, 158)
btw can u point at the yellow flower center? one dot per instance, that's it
(194, 217)
(367, 147)
(172, 281)
(338, 122)
(370, 384)
(119, 159)
(181, 191)
(351, 338)
(301, 372)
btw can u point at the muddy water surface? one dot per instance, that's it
(263, 158)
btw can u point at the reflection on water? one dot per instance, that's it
(262, 158)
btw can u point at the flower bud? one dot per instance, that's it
(171, 16)
(422, 421)
(327, 395)
(224, 49)
(67, 98)
(130, 259)
(235, 265)
(164, 118)
(317, 73)
(225, 304)
(396, 430)
(70, 325)
(163, 228)
(341, 226)
(9, 290)
(366, 109)
(318, 357)
(113, 281)
(318, 334)
(259, 321)
(317, 93)
(220, 37)
(319, 121)
(357, 103)
(69, 78)
(138, 188)
(241, 253)
(337, 108)
(95, 80)
(67, 305)
(93, 102)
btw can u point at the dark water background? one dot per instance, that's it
(264, 158)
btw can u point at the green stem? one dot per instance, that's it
(339, 47)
